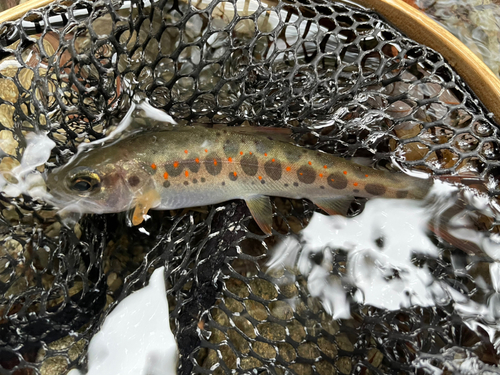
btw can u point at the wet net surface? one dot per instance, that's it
(344, 80)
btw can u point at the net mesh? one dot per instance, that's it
(344, 80)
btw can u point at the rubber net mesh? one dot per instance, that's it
(342, 78)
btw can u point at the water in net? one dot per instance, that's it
(396, 287)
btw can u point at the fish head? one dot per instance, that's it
(99, 181)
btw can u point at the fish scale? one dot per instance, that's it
(195, 166)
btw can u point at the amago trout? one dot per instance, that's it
(195, 166)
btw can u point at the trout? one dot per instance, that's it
(195, 166)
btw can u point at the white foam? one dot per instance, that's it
(380, 243)
(135, 338)
(29, 180)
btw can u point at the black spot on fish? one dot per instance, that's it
(337, 181)
(375, 189)
(166, 184)
(295, 184)
(273, 169)
(195, 181)
(233, 176)
(262, 182)
(286, 185)
(292, 154)
(193, 165)
(174, 168)
(249, 164)
(356, 191)
(203, 179)
(213, 164)
(402, 194)
(230, 148)
(186, 183)
(134, 180)
(217, 134)
(223, 183)
(306, 174)
(321, 187)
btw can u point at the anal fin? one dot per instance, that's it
(143, 203)
(262, 212)
(334, 206)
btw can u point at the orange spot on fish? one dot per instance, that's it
(153, 166)
(197, 160)
(324, 166)
(265, 153)
(366, 175)
(215, 161)
(250, 152)
(301, 174)
(185, 151)
(321, 175)
(176, 164)
(165, 175)
(235, 174)
(273, 160)
(241, 152)
(355, 184)
(288, 169)
(230, 160)
(206, 150)
(345, 172)
(260, 177)
(309, 163)
(186, 173)
(331, 179)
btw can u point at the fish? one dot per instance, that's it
(191, 166)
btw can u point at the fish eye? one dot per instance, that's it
(84, 181)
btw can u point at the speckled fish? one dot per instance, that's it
(197, 166)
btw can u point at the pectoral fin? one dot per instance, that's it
(334, 206)
(143, 203)
(262, 212)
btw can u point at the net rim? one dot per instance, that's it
(424, 30)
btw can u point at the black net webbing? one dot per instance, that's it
(344, 80)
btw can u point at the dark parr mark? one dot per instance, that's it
(174, 168)
(375, 189)
(166, 184)
(193, 165)
(249, 164)
(213, 164)
(230, 148)
(261, 148)
(402, 194)
(292, 154)
(134, 180)
(337, 181)
(306, 174)
(295, 184)
(233, 176)
(186, 183)
(203, 179)
(273, 169)
(195, 181)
